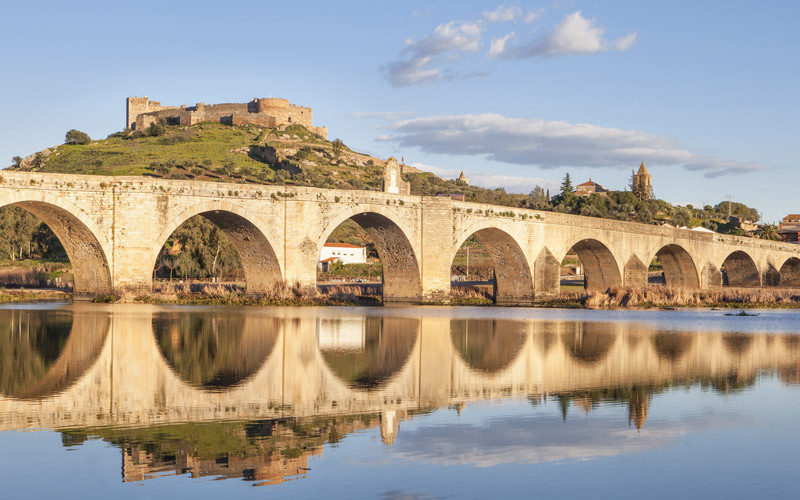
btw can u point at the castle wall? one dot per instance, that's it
(271, 112)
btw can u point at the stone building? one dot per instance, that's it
(463, 178)
(642, 184)
(789, 228)
(270, 112)
(589, 188)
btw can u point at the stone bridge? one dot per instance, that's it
(136, 365)
(114, 227)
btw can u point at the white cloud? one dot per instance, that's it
(498, 45)
(532, 15)
(416, 62)
(573, 35)
(502, 14)
(553, 144)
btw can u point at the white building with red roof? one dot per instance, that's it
(344, 253)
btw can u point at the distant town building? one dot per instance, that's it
(642, 184)
(344, 252)
(589, 188)
(463, 178)
(789, 228)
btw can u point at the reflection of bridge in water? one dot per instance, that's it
(142, 365)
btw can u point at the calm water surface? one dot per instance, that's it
(396, 402)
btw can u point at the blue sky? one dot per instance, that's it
(515, 94)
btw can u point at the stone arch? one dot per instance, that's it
(740, 270)
(253, 242)
(401, 272)
(601, 270)
(789, 273)
(513, 281)
(215, 351)
(488, 345)
(366, 353)
(680, 270)
(59, 349)
(86, 248)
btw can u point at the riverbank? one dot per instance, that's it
(369, 295)
(23, 295)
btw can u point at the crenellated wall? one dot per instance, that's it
(270, 112)
(114, 227)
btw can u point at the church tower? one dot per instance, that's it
(642, 185)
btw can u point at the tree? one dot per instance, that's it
(768, 232)
(338, 147)
(77, 137)
(156, 129)
(566, 185)
(17, 160)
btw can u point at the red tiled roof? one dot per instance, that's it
(329, 259)
(341, 245)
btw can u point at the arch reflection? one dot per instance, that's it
(365, 352)
(589, 343)
(737, 343)
(214, 350)
(488, 345)
(671, 346)
(43, 353)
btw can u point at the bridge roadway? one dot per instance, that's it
(117, 367)
(114, 227)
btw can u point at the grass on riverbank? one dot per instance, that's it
(666, 297)
(22, 295)
(279, 295)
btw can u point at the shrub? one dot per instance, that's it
(77, 137)
(156, 130)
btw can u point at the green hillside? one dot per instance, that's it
(216, 152)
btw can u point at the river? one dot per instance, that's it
(142, 401)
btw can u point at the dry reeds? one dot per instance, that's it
(661, 296)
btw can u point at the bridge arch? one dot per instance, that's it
(601, 269)
(513, 279)
(680, 270)
(48, 351)
(254, 243)
(789, 273)
(740, 270)
(86, 246)
(400, 265)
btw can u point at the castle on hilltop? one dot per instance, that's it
(270, 112)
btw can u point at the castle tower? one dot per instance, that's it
(642, 185)
(463, 178)
(133, 107)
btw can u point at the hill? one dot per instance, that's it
(295, 156)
